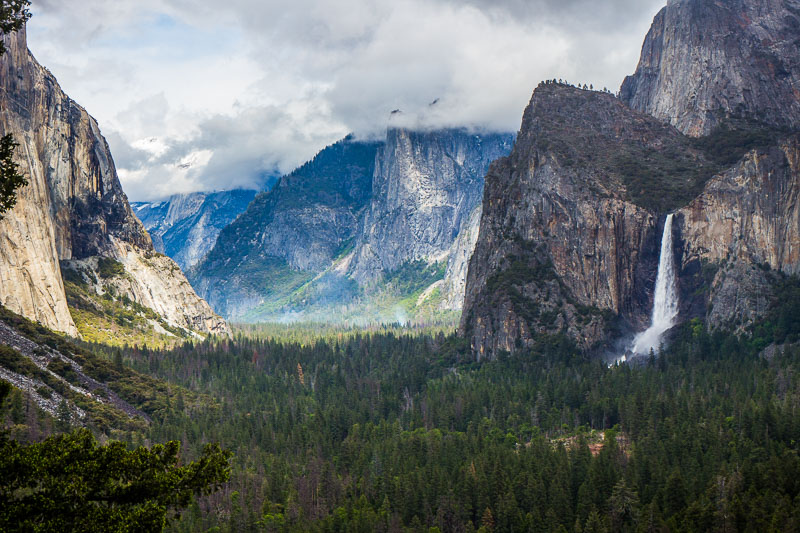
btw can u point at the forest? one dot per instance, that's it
(401, 429)
(398, 430)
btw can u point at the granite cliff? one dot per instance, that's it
(704, 61)
(73, 208)
(704, 129)
(425, 187)
(568, 234)
(745, 224)
(185, 226)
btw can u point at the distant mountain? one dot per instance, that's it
(289, 234)
(185, 226)
(74, 217)
(367, 228)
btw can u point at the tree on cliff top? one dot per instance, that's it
(13, 15)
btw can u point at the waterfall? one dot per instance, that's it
(665, 302)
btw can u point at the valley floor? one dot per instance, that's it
(402, 430)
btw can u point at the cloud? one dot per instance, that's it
(199, 94)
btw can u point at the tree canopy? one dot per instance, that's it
(69, 482)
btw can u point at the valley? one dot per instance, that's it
(587, 324)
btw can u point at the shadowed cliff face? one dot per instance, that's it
(568, 231)
(704, 60)
(73, 208)
(747, 219)
(291, 233)
(568, 235)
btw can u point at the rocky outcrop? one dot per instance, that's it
(705, 60)
(455, 278)
(73, 207)
(426, 185)
(185, 226)
(750, 212)
(567, 241)
(746, 219)
(154, 281)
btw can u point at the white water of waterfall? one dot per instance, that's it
(665, 302)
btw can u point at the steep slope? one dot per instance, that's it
(745, 223)
(705, 60)
(568, 234)
(569, 226)
(290, 233)
(729, 73)
(425, 187)
(185, 226)
(78, 386)
(73, 208)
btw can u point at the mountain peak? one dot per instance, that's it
(704, 61)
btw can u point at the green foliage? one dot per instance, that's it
(70, 483)
(13, 15)
(16, 362)
(609, 146)
(10, 178)
(110, 319)
(407, 431)
(729, 142)
(414, 276)
(338, 177)
(108, 267)
(63, 369)
(782, 322)
(151, 396)
(661, 180)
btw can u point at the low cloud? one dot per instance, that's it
(200, 95)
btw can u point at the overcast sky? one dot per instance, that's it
(209, 94)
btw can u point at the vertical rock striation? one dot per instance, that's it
(747, 218)
(329, 232)
(73, 207)
(426, 185)
(706, 60)
(568, 234)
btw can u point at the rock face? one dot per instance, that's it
(185, 226)
(569, 230)
(73, 207)
(747, 217)
(357, 212)
(705, 60)
(750, 212)
(568, 235)
(455, 278)
(426, 185)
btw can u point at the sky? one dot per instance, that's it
(202, 95)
